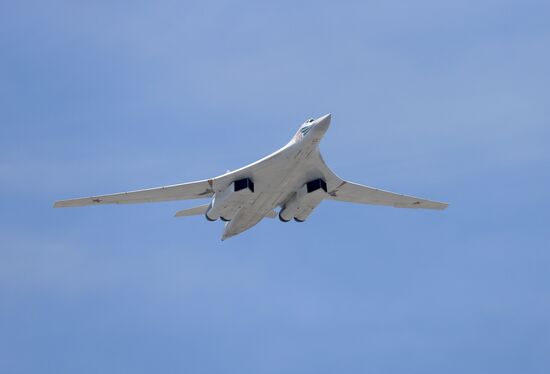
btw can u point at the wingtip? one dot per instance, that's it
(437, 205)
(65, 204)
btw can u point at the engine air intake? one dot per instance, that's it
(315, 185)
(241, 184)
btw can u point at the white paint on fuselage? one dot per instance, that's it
(278, 181)
(278, 176)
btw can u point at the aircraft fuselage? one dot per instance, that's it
(278, 177)
(294, 178)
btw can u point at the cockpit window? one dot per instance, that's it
(305, 128)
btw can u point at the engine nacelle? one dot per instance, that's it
(300, 206)
(226, 203)
(208, 213)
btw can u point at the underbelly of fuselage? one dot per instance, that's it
(275, 183)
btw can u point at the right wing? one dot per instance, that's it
(184, 191)
(356, 193)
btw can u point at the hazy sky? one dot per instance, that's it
(443, 99)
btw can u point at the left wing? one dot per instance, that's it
(356, 193)
(184, 191)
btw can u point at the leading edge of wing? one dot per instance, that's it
(356, 193)
(183, 191)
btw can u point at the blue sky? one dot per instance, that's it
(447, 100)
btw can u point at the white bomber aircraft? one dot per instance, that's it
(294, 178)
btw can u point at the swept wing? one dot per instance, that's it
(184, 191)
(356, 193)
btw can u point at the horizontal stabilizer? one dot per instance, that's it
(196, 211)
(201, 209)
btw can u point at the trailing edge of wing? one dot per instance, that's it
(184, 191)
(356, 193)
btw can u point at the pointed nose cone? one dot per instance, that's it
(324, 119)
(323, 123)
